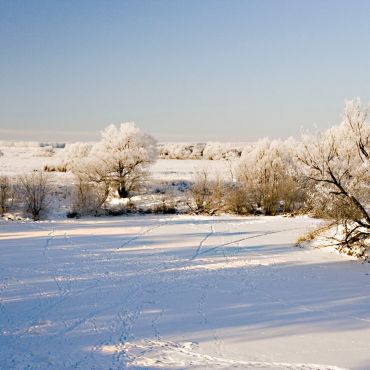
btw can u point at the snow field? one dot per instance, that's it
(180, 292)
(20, 160)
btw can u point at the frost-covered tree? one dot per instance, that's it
(270, 177)
(209, 151)
(70, 157)
(121, 159)
(74, 152)
(337, 161)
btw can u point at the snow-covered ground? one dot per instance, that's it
(174, 170)
(180, 292)
(176, 292)
(20, 160)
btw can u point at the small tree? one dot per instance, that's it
(121, 159)
(34, 189)
(72, 153)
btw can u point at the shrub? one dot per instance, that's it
(205, 195)
(165, 204)
(34, 189)
(237, 200)
(271, 176)
(45, 151)
(5, 194)
(88, 197)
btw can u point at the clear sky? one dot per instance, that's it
(182, 70)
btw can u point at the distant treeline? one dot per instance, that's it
(30, 144)
(210, 150)
(171, 150)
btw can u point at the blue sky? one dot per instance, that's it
(182, 70)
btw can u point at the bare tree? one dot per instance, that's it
(34, 190)
(5, 194)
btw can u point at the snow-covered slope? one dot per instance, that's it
(178, 292)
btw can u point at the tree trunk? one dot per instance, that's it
(122, 192)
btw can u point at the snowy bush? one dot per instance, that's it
(45, 151)
(270, 175)
(181, 150)
(218, 151)
(210, 151)
(70, 157)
